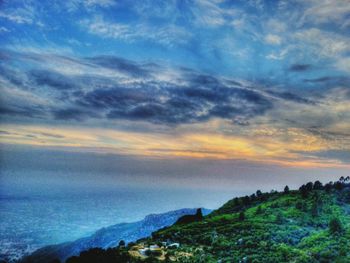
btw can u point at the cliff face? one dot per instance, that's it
(110, 236)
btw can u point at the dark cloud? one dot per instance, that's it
(234, 83)
(71, 114)
(328, 135)
(117, 96)
(223, 111)
(340, 155)
(199, 79)
(46, 134)
(291, 97)
(154, 112)
(52, 135)
(31, 136)
(52, 79)
(4, 56)
(191, 97)
(334, 80)
(201, 98)
(322, 79)
(300, 67)
(12, 76)
(120, 64)
(22, 111)
(5, 133)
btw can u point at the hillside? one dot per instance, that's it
(110, 236)
(311, 224)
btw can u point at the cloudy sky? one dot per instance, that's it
(262, 83)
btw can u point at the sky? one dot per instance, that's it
(200, 92)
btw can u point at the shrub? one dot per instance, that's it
(279, 218)
(318, 185)
(335, 226)
(258, 210)
(286, 189)
(121, 243)
(303, 191)
(241, 216)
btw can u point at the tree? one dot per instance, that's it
(318, 185)
(309, 186)
(258, 193)
(258, 210)
(186, 219)
(199, 215)
(121, 243)
(279, 218)
(246, 200)
(314, 209)
(303, 191)
(252, 197)
(347, 196)
(335, 226)
(299, 205)
(328, 187)
(286, 189)
(241, 216)
(338, 186)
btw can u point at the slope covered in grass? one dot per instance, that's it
(311, 224)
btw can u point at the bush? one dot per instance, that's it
(303, 191)
(286, 189)
(258, 210)
(279, 218)
(299, 205)
(335, 226)
(318, 185)
(338, 186)
(121, 243)
(241, 216)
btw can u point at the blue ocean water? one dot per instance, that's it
(30, 222)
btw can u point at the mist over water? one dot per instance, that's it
(29, 222)
(49, 197)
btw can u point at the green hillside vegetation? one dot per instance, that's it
(311, 224)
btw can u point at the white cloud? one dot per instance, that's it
(322, 43)
(238, 23)
(210, 13)
(26, 14)
(74, 5)
(113, 30)
(169, 35)
(102, 3)
(4, 29)
(274, 25)
(343, 64)
(327, 11)
(258, 4)
(273, 39)
(16, 18)
(279, 55)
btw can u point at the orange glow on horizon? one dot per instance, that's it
(264, 149)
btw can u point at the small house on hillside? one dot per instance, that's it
(174, 245)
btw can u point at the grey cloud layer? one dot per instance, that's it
(115, 88)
